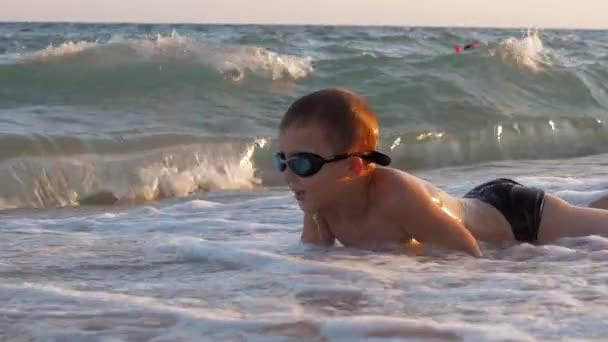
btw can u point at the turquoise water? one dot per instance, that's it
(89, 108)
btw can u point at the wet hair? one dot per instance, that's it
(349, 123)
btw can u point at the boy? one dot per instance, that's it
(327, 152)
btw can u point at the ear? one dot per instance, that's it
(356, 165)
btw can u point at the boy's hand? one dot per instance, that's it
(316, 231)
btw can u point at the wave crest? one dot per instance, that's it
(233, 61)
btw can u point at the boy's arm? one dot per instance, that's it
(425, 221)
(316, 231)
(600, 203)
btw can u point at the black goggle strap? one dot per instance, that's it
(370, 157)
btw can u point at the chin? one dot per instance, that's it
(307, 207)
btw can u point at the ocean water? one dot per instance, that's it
(138, 201)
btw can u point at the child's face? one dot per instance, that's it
(321, 188)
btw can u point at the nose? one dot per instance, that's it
(290, 177)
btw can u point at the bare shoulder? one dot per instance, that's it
(393, 188)
(391, 184)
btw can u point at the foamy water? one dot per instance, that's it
(229, 266)
(527, 51)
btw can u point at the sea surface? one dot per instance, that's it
(138, 200)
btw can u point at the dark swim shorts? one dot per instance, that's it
(521, 206)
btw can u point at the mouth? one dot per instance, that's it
(299, 194)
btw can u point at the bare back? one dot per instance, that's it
(484, 221)
(379, 225)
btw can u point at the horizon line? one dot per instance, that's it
(218, 23)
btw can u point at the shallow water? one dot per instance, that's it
(229, 266)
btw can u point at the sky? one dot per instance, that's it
(494, 13)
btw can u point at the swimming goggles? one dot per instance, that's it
(305, 164)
